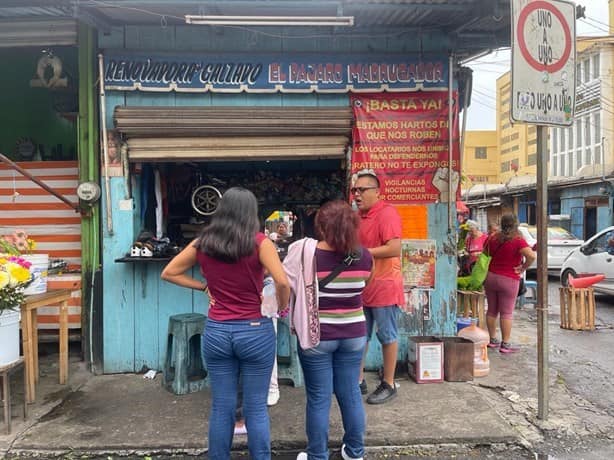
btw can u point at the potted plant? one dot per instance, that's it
(14, 278)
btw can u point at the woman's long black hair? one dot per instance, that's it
(231, 234)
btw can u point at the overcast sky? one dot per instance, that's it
(487, 69)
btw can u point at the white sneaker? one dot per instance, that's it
(302, 456)
(346, 456)
(273, 397)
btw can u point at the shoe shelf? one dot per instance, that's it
(136, 260)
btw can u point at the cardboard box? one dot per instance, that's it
(457, 359)
(425, 359)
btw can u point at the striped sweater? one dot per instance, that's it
(340, 301)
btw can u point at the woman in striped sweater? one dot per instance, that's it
(333, 366)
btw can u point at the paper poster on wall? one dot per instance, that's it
(418, 263)
(414, 221)
(405, 139)
(418, 301)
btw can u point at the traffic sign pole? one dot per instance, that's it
(543, 367)
(543, 93)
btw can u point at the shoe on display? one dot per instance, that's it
(346, 456)
(135, 250)
(363, 387)
(507, 347)
(383, 393)
(273, 397)
(147, 250)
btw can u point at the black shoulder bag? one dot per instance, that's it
(346, 262)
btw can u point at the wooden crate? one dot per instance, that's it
(470, 304)
(457, 359)
(577, 308)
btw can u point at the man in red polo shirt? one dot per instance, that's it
(380, 232)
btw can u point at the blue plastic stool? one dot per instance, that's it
(523, 299)
(288, 365)
(184, 370)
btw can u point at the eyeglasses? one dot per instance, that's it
(360, 190)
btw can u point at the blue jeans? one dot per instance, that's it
(334, 366)
(230, 348)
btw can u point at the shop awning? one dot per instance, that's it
(232, 121)
(37, 32)
(244, 148)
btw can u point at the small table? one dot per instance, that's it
(5, 374)
(29, 332)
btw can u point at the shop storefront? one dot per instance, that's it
(292, 128)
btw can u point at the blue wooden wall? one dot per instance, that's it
(572, 203)
(137, 304)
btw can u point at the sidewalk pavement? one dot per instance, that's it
(125, 413)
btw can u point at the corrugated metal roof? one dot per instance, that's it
(35, 11)
(474, 24)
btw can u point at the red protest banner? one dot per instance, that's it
(403, 138)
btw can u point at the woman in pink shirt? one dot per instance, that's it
(511, 256)
(474, 243)
(232, 255)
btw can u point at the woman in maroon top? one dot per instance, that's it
(508, 250)
(238, 340)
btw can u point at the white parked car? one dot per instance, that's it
(560, 244)
(594, 256)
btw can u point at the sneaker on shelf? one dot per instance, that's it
(507, 347)
(273, 397)
(383, 393)
(363, 387)
(345, 456)
(240, 428)
(494, 343)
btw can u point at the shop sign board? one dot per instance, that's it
(269, 73)
(404, 139)
(543, 62)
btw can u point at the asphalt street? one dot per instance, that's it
(585, 361)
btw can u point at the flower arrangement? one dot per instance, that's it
(17, 243)
(15, 273)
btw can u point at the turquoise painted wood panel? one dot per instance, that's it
(146, 313)
(112, 100)
(119, 285)
(153, 38)
(287, 40)
(443, 297)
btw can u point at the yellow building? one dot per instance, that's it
(480, 158)
(517, 142)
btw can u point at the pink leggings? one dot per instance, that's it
(501, 292)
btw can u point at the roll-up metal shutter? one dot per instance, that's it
(38, 32)
(245, 148)
(232, 121)
(234, 133)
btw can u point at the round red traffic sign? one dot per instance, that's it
(522, 44)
